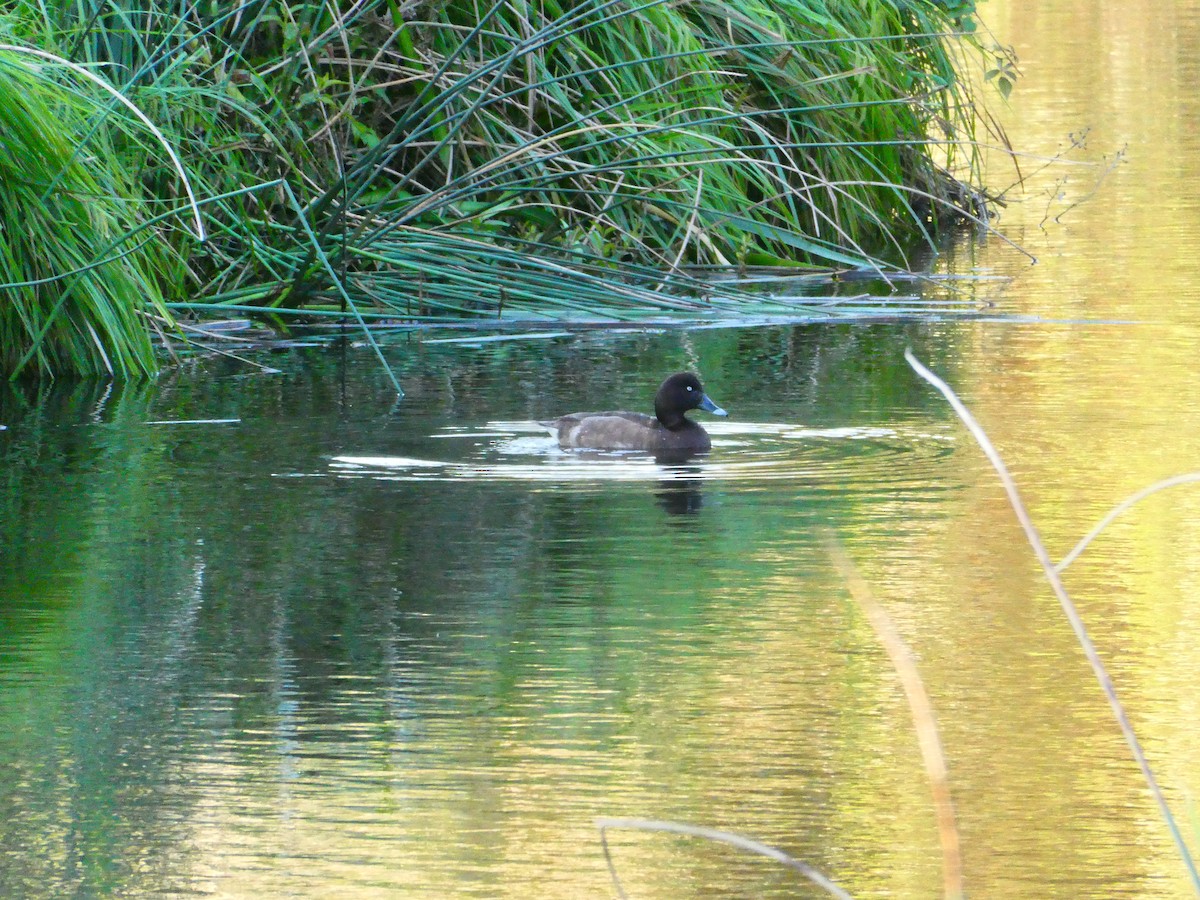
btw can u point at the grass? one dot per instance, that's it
(72, 252)
(442, 162)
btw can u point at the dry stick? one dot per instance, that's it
(1068, 607)
(1129, 501)
(726, 837)
(688, 231)
(922, 712)
(265, 370)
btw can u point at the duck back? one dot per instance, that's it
(616, 430)
(667, 431)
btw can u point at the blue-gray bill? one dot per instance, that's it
(708, 406)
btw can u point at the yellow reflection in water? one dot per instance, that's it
(1085, 414)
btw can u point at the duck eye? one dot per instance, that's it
(689, 388)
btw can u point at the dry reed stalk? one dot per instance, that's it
(1174, 481)
(924, 720)
(1068, 607)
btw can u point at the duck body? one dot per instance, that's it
(616, 430)
(667, 430)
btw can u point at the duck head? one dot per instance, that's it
(677, 395)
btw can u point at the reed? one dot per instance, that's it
(711, 834)
(391, 158)
(78, 267)
(924, 721)
(1070, 611)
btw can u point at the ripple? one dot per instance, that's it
(743, 452)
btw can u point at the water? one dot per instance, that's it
(281, 636)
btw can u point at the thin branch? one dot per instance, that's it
(711, 834)
(1068, 607)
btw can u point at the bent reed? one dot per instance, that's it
(430, 162)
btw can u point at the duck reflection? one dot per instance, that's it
(680, 494)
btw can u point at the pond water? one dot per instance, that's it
(281, 635)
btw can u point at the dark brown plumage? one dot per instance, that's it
(667, 430)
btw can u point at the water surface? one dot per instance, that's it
(281, 635)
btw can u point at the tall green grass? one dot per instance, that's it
(551, 160)
(714, 132)
(81, 273)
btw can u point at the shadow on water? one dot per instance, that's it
(681, 493)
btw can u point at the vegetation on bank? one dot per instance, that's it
(418, 162)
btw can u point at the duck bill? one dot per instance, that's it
(708, 406)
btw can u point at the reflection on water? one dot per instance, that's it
(302, 641)
(353, 651)
(283, 636)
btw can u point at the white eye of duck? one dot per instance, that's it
(689, 388)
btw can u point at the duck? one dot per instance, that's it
(668, 430)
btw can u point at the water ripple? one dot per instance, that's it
(743, 452)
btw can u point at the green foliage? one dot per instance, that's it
(79, 270)
(1003, 72)
(385, 156)
(658, 129)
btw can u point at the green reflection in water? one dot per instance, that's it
(232, 665)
